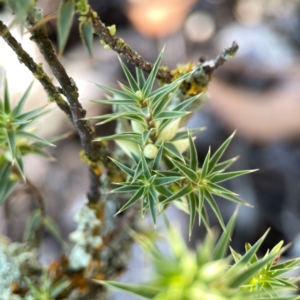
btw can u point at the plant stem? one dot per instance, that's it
(36, 69)
(97, 153)
(118, 45)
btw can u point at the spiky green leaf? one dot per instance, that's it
(64, 22)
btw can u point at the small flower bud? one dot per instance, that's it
(102, 42)
(112, 30)
(169, 131)
(181, 145)
(150, 151)
(137, 127)
(139, 94)
(107, 47)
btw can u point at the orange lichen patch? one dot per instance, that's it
(97, 171)
(79, 282)
(98, 208)
(93, 270)
(58, 267)
(15, 287)
(95, 166)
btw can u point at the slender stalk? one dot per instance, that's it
(36, 69)
(118, 45)
(96, 153)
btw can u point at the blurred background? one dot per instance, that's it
(257, 93)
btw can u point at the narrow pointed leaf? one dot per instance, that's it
(6, 98)
(145, 136)
(223, 242)
(145, 291)
(205, 165)
(126, 189)
(171, 115)
(192, 209)
(183, 105)
(169, 87)
(140, 78)
(246, 258)
(225, 164)
(166, 180)
(229, 175)
(31, 114)
(172, 150)
(151, 78)
(11, 139)
(18, 109)
(127, 170)
(136, 197)
(133, 84)
(218, 154)
(32, 225)
(52, 227)
(129, 92)
(185, 170)
(182, 134)
(64, 22)
(86, 33)
(161, 103)
(193, 155)
(29, 135)
(236, 256)
(137, 171)
(125, 136)
(211, 201)
(117, 102)
(224, 193)
(200, 202)
(250, 271)
(117, 93)
(151, 199)
(157, 160)
(145, 166)
(182, 192)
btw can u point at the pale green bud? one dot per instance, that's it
(150, 151)
(169, 131)
(139, 94)
(107, 47)
(102, 42)
(112, 30)
(137, 127)
(128, 147)
(182, 144)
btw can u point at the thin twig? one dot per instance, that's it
(36, 69)
(118, 45)
(95, 152)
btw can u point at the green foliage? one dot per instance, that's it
(64, 22)
(164, 169)
(161, 173)
(17, 139)
(21, 10)
(207, 273)
(46, 288)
